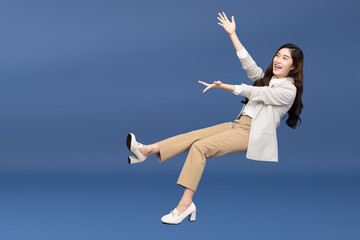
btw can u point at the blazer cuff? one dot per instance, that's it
(242, 53)
(237, 90)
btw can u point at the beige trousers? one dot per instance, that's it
(224, 138)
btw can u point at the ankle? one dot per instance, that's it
(148, 150)
(185, 202)
(151, 149)
(144, 150)
(154, 148)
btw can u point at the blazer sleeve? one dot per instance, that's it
(283, 94)
(249, 65)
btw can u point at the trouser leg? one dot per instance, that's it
(181, 143)
(230, 141)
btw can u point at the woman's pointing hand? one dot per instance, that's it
(216, 84)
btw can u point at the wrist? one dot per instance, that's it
(233, 34)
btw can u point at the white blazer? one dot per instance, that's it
(273, 102)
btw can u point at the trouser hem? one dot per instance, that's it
(186, 184)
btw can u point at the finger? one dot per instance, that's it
(221, 17)
(232, 19)
(220, 20)
(210, 86)
(204, 83)
(221, 24)
(206, 89)
(225, 16)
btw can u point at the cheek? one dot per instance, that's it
(288, 66)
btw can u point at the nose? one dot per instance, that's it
(277, 61)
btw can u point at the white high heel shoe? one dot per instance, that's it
(134, 147)
(174, 218)
(133, 159)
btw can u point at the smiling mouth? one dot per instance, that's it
(276, 67)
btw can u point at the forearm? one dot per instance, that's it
(228, 87)
(236, 42)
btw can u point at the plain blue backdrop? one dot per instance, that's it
(78, 76)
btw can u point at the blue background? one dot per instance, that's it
(78, 76)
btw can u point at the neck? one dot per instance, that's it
(278, 77)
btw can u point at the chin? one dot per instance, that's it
(276, 73)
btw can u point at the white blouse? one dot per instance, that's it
(251, 105)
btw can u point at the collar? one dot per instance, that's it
(278, 80)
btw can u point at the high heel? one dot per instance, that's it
(192, 217)
(133, 159)
(134, 147)
(174, 218)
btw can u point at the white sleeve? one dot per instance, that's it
(237, 90)
(281, 95)
(242, 53)
(249, 65)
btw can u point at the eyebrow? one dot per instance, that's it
(284, 54)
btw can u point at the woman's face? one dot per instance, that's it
(282, 63)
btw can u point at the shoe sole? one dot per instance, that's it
(176, 223)
(188, 217)
(128, 142)
(171, 223)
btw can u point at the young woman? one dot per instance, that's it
(274, 93)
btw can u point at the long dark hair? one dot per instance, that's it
(297, 73)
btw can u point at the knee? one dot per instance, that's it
(201, 147)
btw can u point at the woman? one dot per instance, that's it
(274, 93)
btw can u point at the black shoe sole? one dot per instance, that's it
(171, 223)
(175, 223)
(128, 142)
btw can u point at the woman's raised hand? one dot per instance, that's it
(216, 84)
(227, 25)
